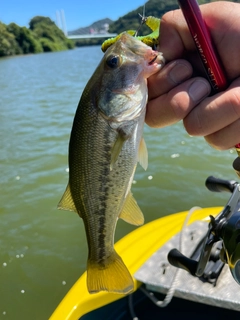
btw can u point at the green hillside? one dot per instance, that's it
(41, 36)
(154, 8)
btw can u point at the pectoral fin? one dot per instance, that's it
(117, 147)
(67, 203)
(124, 133)
(143, 154)
(131, 212)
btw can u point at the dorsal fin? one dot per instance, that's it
(131, 212)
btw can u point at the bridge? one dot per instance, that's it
(93, 33)
(92, 36)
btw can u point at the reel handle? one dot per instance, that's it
(219, 185)
(177, 259)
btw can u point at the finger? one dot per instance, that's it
(217, 118)
(174, 37)
(225, 138)
(175, 105)
(215, 113)
(171, 75)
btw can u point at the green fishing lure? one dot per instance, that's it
(151, 39)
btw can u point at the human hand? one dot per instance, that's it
(179, 90)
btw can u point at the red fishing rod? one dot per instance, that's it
(207, 53)
(226, 226)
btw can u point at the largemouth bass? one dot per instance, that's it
(105, 145)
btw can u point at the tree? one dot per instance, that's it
(51, 37)
(25, 38)
(8, 44)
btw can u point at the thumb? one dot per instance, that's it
(175, 37)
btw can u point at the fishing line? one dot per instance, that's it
(143, 21)
(163, 303)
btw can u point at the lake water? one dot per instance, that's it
(43, 250)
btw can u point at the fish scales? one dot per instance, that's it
(104, 149)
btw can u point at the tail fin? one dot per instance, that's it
(113, 277)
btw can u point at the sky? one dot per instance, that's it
(78, 13)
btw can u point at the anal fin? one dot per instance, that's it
(131, 212)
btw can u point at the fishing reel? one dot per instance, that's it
(225, 228)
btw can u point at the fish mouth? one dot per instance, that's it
(153, 60)
(158, 58)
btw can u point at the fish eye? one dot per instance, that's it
(113, 61)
